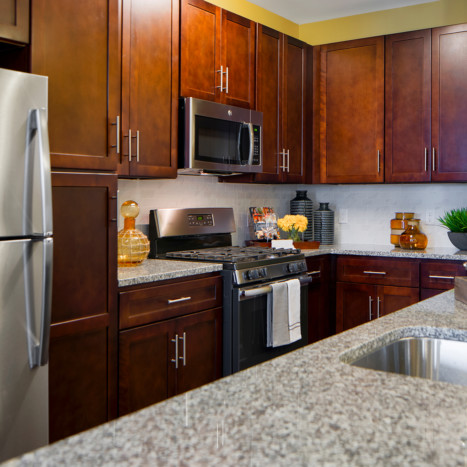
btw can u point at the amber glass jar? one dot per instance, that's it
(412, 238)
(398, 225)
(133, 245)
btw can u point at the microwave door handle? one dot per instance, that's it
(239, 142)
(252, 143)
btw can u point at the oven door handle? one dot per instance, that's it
(265, 289)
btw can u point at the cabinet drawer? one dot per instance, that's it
(169, 300)
(380, 271)
(440, 274)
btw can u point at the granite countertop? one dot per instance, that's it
(305, 408)
(153, 270)
(446, 253)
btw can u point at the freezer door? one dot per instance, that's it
(24, 297)
(25, 187)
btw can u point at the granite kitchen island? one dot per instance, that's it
(305, 408)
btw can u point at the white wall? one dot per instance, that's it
(370, 207)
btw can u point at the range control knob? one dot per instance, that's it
(292, 267)
(252, 274)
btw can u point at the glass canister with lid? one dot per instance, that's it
(398, 225)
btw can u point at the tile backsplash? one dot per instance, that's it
(368, 208)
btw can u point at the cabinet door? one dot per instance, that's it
(354, 305)
(449, 107)
(76, 44)
(83, 348)
(390, 299)
(351, 93)
(321, 318)
(440, 274)
(268, 98)
(293, 112)
(150, 88)
(408, 107)
(146, 371)
(14, 20)
(238, 57)
(200, 50)
(199, 349)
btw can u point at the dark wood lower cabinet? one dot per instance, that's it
(163, 359)
(83, 340)
(359, 303)
(321, 302)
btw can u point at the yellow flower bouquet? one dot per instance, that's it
(293, 225)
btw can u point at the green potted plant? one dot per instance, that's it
(456, 221)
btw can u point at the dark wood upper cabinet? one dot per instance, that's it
(449, 107)
(77, 45)
(14, 20)
(408, 107)
(149, 88)
(281, 93)
(217, 54)
(351, 112)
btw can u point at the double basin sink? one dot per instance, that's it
(434, 358)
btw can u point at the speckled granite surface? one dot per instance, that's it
(307, 408)
(158, 269)
(389, 251)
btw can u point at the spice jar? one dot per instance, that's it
(398, 225)
(412, 238)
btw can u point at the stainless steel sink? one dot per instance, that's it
(425, 357)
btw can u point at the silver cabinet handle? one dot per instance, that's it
(117, 124)
(379, 154)
(379, 273)
(433, 168)
(312, 273)
(226, 79)
(129, 145)
(370, 301)
(442, 277)
(221, 71)
(426, 159)
(183, 357)
(288, 160)
(178, 300)
(175, 360)
(378, 301)
(283, 154)
(137, 146)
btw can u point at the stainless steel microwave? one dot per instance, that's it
(219, 139)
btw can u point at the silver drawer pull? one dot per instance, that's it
(442, 277)
(312, 273)
(183, 357)
(380, 273)
(177, 300)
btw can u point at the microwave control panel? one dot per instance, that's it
(256, 144)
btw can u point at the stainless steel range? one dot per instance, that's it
(204, 234)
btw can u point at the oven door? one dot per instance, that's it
(249, 325)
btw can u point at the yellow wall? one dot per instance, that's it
(425, 15)
(259, 15)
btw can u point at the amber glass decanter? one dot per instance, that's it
(412, 238)
(133, 245)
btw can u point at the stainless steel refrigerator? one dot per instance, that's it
(25, 262)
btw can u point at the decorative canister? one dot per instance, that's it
(412, 238)
(323, 222)
(302, 205)
(132, 244)
(398, 225)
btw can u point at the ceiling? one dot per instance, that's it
(309, 11)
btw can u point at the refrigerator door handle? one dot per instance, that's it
(46, 312)
(38, 345)
(37, 126)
